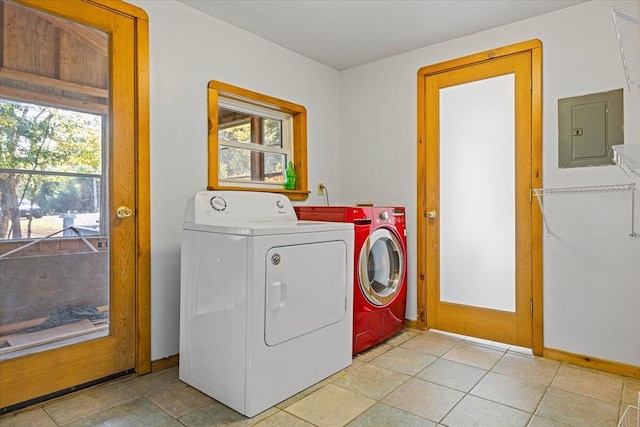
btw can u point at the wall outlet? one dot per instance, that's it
(320, 189)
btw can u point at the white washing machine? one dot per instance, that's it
(266, 300)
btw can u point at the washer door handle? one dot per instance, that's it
(278, 295)
(362, 221)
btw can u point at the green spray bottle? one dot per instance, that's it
(290, 177)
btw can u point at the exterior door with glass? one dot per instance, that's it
(68, 249)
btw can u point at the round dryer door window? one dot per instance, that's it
(380, 267)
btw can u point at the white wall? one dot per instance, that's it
(591, 266)
(187, 50)
(361, 143)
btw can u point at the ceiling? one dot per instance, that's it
(347, 33)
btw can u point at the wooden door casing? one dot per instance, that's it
(528, 175)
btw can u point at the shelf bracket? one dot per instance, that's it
(539, 192)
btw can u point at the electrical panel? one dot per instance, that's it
(588, 126)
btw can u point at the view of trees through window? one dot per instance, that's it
(251, 147)
(50, 170)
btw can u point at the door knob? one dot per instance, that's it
(432, 214)
(123, 212)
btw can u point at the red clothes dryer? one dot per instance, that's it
(380, 268)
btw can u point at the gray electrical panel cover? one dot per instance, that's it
(588, 126)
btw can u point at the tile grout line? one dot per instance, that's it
(546, 390)
(504, 353)
(465, 393)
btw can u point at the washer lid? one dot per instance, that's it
(249, 214)
(266, 228)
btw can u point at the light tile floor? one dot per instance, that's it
(414, 379)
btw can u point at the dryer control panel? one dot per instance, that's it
(236, 206)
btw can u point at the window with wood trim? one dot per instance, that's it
(252, 138)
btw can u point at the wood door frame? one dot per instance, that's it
(143, 180)
(534, 47)
(142, 173)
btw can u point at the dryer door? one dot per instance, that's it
(306, 289)
(381, 267)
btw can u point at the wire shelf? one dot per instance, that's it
(627, 157)
(590, 189)
(626, 20)
(540, 192)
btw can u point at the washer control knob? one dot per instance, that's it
(279, 204)
(218, 203)
(384, 215)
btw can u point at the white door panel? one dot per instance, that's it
(303, 293)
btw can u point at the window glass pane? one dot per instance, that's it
(52, 187)
(41, 138)
(57, 203)
(249, 128)
(274, 167)
(481, 240)
(50, 170)
(240, 132)
(246, 165)
(272, 132)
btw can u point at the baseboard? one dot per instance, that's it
(593, 362)
(550, 353)
(167, 362)
(411, 323)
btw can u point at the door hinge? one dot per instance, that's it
(531, 305)
(530, 195)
